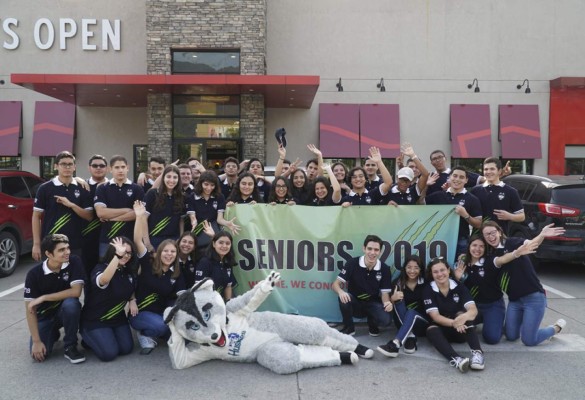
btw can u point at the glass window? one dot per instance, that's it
(14, 186)
(47, 163)
(216, 106)
(140, 159)
(206, 62)
(10, 163)
(471, 164)
(33, 184)
(185, 128)
(575, 166)
(520, 166)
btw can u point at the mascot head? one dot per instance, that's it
(199, 315)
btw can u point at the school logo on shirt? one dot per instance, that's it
(215, 205)
(368, 200)
(235, 342)
(462, 202)
(343, 271)
(65, 276)
(198, 273)
(77, 193)
(173, 281)
(229, 272)
(481, 272)
(409, 198)
(379, 276)
(501, 196)
(130, 279)
(94, 198)
(456, 298)
(129, 192)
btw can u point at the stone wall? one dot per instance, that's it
(206, 24)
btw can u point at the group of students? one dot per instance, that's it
(447, 304)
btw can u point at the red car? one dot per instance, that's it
(17, 193)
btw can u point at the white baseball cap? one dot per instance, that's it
(406, 172)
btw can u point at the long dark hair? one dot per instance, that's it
(324, 181)
(157, 262)
(489, 249)
(194, 253)
(177, 193)
(132, 264)
(472, 239)
(303, 194)
(402, 278)
(229, 259)
(236, 195)
(211, 177)
(272, 196)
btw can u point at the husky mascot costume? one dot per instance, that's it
(204, 328)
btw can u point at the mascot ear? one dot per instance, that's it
(169, 314)
(202, 284)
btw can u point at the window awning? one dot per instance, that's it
(470, 131)
(380, 127)
(339, 130)
(280, 91)
(520, 131)
(54, 128)
(10, 127)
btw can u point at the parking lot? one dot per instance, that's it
(551, 370)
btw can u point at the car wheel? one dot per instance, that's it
(9, 253)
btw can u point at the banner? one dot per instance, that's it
(310, 245)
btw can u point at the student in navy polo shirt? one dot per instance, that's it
(369, 285)
(156, 166)
(104, 324)
(314, 166)
(499, 202)
(208, 204)
(327, 191)
(165, 208)
(373, 180)
(159, 283)
(439, 162)
(196, 169)
(113, 203)
(189, 257)
(360, 195)
(527, 299)
(281, 192)
(245, 191)
(218, 263)
(452, 311)
(341, 173)
(186, 177)
(60, 206)
(467, 206)
(98, 169)
(256, 167)
(230, 169)
(301, 188)
(51, 294)
(408, 190)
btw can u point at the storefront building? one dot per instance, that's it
(213, 78)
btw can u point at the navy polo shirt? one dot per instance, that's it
(187, 191)
(413, 298)
(498, 197)
(164, 221)
(457, 299)
(472, 181)
(409, 197)
(226, 188)
(364, 284)
(264, 189)
(221, 274)
(518, 278)
(205, 209)
(56, 217)
(190, 272)
(113, 196)
(367, 198)
(91, 229)
(483, 281)
(105, 305)
(155, 293)
(464, 199)
(374, 183)
(327, 201)
(40, 280)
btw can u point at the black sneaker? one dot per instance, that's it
(410, 345)
(363, 351)
(389, 349)
(348, 358)
(74, 355)
(348, 330)
(374, 330)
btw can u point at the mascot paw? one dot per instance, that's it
(273, 278)
(348, 358)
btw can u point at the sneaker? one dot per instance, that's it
(146, 342)
(477, 362)
(560, 324)
(389, 349)
(462, 364)
(374, 330)
(410, 345)
(363, 351)
(348, 358)
(348, 330)
(74, 355)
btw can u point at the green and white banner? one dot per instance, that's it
(309, 245)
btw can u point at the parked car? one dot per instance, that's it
(17, 193)
(560, 200)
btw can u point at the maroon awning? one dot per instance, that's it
(54, 128)
(339, 130)
(470, 131)
(520, 131)
(380, 127)
(10, 127)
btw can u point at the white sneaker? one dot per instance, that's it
(477, 361)
(146, 342)
(560, 324)
(462, 364)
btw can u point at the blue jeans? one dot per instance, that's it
(67, 317)
(408, 321)
(109, 342)
(523, 319)
(373, 310)
(150, 324)
(492, 316)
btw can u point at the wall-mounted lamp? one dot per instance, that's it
(339, 86)
(527, 82)
(476, 83)
(381, 86)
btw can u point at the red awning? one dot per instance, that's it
(380, 127)
(280, 91)
(520, 131)
(470, 131)
(339, 130)
(10, 127)
(54, 128)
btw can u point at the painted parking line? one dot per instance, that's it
(12, 290)
(558, 292)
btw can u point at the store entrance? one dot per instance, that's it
(211, 152)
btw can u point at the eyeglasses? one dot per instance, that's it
(358, 177)
(437, 158)
(66, 165)
(491, 233)
(280, 186)
(98, 165)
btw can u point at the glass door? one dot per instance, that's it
(210, 152)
